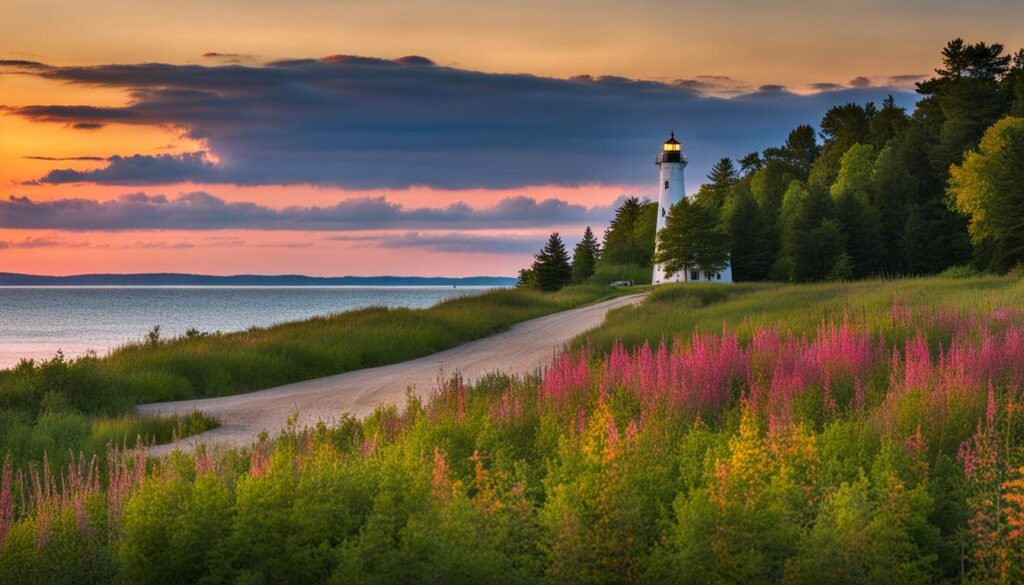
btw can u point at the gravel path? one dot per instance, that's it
(523, 348)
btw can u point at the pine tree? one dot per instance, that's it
(744, 224)
(751, 163)
(551, 265)
(722, 177)
(629, 238)
(618, 238)
(584, 256)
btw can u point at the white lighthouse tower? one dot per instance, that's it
(671, 161)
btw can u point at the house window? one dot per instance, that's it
(666, 184)
(694, 275)
(718, 276)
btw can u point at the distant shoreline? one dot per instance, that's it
(10, 279)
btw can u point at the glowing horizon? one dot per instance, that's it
(450, 108)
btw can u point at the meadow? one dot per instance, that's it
(83, 404)
(868, 432)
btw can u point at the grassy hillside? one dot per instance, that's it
(844, 433)
(60, 404)
(675, 310)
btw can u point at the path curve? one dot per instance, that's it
(523, 348)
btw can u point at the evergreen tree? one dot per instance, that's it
(888, 123)
(817, 238)
(751, 163)
(629, 238)
(643, 233)
(863, 236)
(963, 100)
(744, 224)
(584, 256)
(1012, 86)
(900, 177)
(551, 265)
(691, 239)
(798, 153)
(915, 244)
(841, 127)
(722, 177)
(527, 278)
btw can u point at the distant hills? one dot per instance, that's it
(177, 279)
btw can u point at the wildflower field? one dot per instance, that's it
(870, 432)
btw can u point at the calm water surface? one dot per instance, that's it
(35, 322)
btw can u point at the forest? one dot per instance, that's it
(872, 191)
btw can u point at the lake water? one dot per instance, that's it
(35, 322)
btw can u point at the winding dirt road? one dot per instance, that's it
(523, 348)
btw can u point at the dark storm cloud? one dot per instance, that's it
(860, 81)
(202, 211)
(141, 170)
(87, 125)
(363, 122)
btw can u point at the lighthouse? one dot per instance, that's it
(671, 162)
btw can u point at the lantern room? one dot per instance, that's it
(671, 151)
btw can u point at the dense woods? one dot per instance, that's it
(873, 190)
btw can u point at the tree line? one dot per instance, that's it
(875, 190)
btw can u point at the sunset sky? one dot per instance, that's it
(397, 137)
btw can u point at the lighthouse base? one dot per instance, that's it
(695, 275)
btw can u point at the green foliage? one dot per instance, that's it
(855, 171)
(987, 187)
(722, 177)
(514, 484)
(749, 236)
(584, 257)
(607, 273)
(692, 239)
(551, 268)
(888, 174)
(629, 238)
(58, 405)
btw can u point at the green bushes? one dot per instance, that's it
(606, 273)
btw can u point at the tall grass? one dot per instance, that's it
(671, 309)
(220, 364)
(61, 404)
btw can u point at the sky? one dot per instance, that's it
(399, 137)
